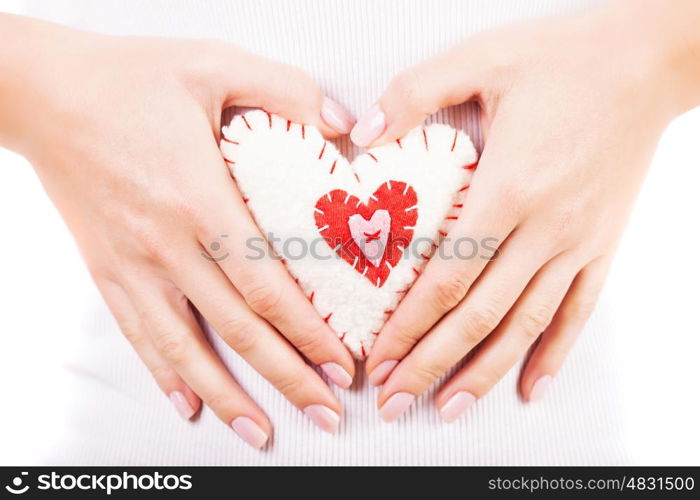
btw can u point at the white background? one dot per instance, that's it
(653, 291)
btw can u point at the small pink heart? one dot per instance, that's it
(371, 235)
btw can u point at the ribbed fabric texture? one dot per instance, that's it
(352, 48)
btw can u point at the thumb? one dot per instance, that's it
(282, 89)
(451, 78)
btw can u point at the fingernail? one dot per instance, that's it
(369, 127)
(379, 375)
(456, 406)
(249, 431)
(324, 417)
(395, 406)
(181, 404)
(337, 374)
(336, 116)
(540, 387)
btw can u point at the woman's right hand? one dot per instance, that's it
(123, 134)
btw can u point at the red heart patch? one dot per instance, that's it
(337, 211)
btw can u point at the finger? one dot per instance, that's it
(445, 280)
(255, 81)
(499, 352)
(258, 343)
(185, 401)
(451, 78)
(176, 334)
(269, 290)
(463, 328)
(558, 339)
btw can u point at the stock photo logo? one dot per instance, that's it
(374, 244)
(215, 254)
(17, 486)
(101, 483)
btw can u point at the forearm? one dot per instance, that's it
(668, 32)
(33, 57)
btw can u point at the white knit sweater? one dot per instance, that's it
(352, 48)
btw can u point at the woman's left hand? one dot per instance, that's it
(572, 110)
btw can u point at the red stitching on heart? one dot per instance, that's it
(333, 166)
(398, 141)
(372, 236)
(373, 157)
(229, 161)
(289, 124)
(303, 132)
(229, 140)
(333, 210)
(246, 122)
(323, 149)
(454, 142)
(269, 119)
(425, 140)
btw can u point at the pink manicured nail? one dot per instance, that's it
(540, 387)
(456, 406)
(369, 127)
(379, 375)
(324, 417)
(249, 432)
(336, 116)
(337, 374)
(181, 404)
(395, 406)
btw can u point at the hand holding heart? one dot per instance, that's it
(148, 199)
(566, 151)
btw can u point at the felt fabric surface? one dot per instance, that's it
(355, 235)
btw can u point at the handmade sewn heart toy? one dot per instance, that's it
(354, 236)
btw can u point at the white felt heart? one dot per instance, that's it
(354, 236)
